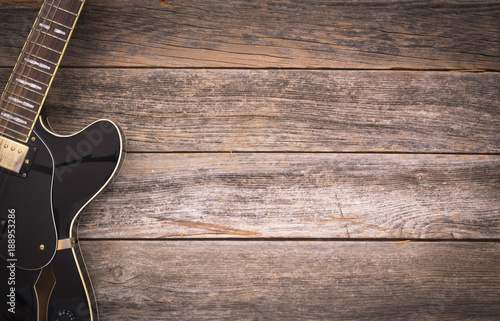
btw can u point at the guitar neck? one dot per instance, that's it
(29, 83)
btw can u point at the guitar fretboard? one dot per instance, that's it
(25, 92)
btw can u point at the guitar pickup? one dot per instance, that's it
(13, 155)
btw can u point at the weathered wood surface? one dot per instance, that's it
(295, 280)
(300, 195)
(332, 170)
(282, 110)
(272, 33)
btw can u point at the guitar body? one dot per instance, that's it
(45, 275)
(45, 182)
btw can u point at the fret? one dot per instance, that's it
(24, 101)
(63, 10)
(48, 20)
(55, 15)
(35, 68)
(39, 51)
(43, 63)
(46, 47)
(31, 79)
(20, 102)
(25, 114)
(47, 42)
(70, 6)
(18, 82)
(46, 33)
(28, 95)
(59, 30)
(21, 123)
(26, 81)
(32, 72)
(34, 62)
(19, 109)
(25, 117)
(23, 130)
(6, 130)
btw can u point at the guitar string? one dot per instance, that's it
(22, 69)
(27, 70)
(40, 19)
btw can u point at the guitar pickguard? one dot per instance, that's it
(30, 236)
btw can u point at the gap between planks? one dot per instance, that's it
(367, 153)
(277, 239)
(472, 71)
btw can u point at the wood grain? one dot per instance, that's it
(299, 196)
(276, 110)
(298, 122)
(295, 280)
(452, 35)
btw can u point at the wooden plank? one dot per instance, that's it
(295, 280)
(273, 33)
(276, 110)
(299, 196)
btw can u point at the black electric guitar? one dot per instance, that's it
(45, 182)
